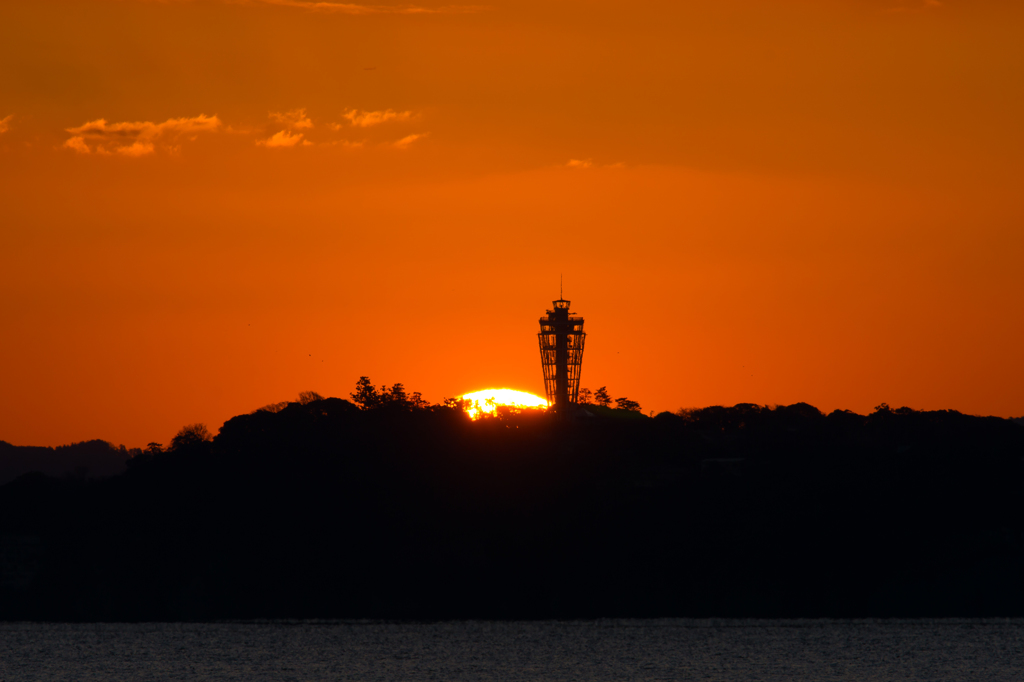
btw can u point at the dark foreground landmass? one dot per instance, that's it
(92, 459)
(323, 509)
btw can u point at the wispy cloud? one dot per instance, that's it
(365, 119)
(284, 139)
(78, 144)
(136, 149)
(347, 144)
(408, 140)
(357, 9)
(144, 138)
(5, 123)
(293, 120)
(583, 164)
(137, 138)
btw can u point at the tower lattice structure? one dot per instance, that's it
(561, 340)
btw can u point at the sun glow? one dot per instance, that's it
(488, 400)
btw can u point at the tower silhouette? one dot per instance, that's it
(561, 340)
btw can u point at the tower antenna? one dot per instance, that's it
(560, 294)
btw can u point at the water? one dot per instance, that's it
(595, 651)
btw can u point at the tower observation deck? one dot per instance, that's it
(561, 355)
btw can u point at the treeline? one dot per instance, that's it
(386, 507)
(87, 459)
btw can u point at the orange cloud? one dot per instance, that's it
(135, 138)
(365, 119)
(283, 139)
(583, 164)
(294, 120)
(407, 140)
(78, 144)
(348, 144)
(5, 123)
(136, 149)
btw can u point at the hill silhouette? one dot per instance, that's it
(397, 509)
(88, 459)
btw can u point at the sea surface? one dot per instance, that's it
(598, 651)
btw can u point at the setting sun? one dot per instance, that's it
(488, 400)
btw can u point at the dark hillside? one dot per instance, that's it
(324, 509)
(88, 459)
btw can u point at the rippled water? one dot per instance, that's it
(602, 650)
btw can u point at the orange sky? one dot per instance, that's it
(208, 206)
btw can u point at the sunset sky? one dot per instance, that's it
(207, 206)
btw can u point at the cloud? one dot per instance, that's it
(294, 120)
(365, 119)
(582, 164)
(136, 149)
(356, 9)
(348, 144)
(136, 138)
(78, 144)
(5, 123)
(283, 139)
(407, 140)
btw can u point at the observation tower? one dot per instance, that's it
(561, 355)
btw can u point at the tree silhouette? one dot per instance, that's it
(365, 395)
(601, 397)
(458, 404)
(394, 395)
(627, 404)
(585, 396)
(307, 397)
(190, 436)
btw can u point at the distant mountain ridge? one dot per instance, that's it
(86, 459)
